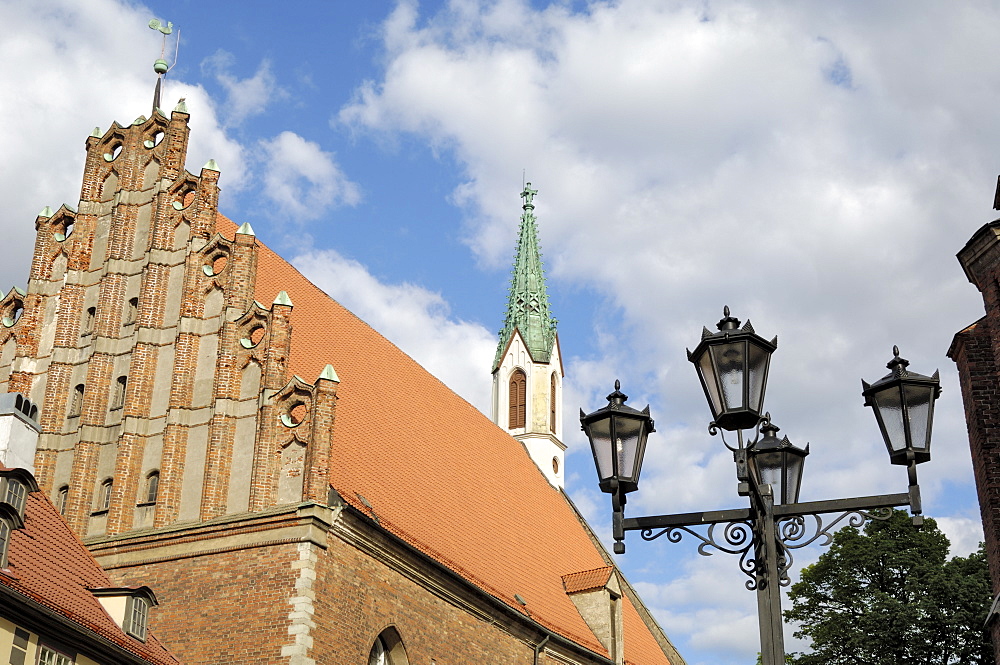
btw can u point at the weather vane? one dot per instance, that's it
(160, 66)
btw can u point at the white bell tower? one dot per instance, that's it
(527, 369)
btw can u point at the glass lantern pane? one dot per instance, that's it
(600, 439)
(793, 478)
(708, 380)
(757, 374)
(627, 432)
(890, 414)
(729, 363)
(769, 469)
(918, 405)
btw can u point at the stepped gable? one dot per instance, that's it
(436, 472)
(48, 564)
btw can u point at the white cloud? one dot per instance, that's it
(963, 533)
(245, 97)
(815, 167)
(414, 319)
(303, 179)
(72, 65)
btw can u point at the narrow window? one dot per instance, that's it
(517, 396)
(119, 398)
(104, 498)
(4, 541)
(552, 403)
(152, 486)
(61, 498)
(136, 617)
(131, 311)
(88, 320)
(76, 403)
(19, 647)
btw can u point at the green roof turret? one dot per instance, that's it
(528, 302)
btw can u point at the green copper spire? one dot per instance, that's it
(528, 303)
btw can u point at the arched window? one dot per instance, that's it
(118, 401)
(104, 498)
(76, 403)
(61, 497)
(152, 486)
(388, 649)
(88, 321)
(518, 396)
(131, 311)
(552, 403)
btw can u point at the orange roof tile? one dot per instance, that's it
(47, 563)
(436, 471)
(587, 579)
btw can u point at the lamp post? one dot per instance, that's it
(732, 365)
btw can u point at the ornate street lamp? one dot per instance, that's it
(617, 436)
(779, 464)
(732, 365)
(903, 403)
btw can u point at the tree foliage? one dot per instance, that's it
(890, 596)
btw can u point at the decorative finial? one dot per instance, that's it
(528, 195)
(728, 322)
(897, 365)
(160, 66)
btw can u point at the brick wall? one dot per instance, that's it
(976, 352)
(358, 597)
(225, 607)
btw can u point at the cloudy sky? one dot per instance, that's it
(815, 166)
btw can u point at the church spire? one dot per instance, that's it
(528, 302)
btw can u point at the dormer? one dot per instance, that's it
(129, 607)
(597, 595)
(14, 487)
(18, 431)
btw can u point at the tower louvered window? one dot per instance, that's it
(552, 403)
(518, 395)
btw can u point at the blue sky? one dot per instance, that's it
(814, 166)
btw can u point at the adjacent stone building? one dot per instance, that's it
(57, 607)
(294, 487)
(976, 351)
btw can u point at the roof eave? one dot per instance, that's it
(39, 618)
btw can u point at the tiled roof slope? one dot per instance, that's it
(436, 471)
(48, 564)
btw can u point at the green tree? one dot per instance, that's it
(889, 596)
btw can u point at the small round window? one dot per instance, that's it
(294, 416)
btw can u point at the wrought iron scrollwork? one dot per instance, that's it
(733, 538)
(794, 532)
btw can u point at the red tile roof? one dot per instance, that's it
(48, 564)
(437, 472)
(587, 580)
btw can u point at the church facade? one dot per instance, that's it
(294, 487)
